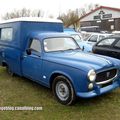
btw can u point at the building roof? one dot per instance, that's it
(32, 19)
(98, 8)
(101, 7)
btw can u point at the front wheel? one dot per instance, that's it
(63, 90)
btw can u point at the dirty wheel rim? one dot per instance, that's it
(62, 91)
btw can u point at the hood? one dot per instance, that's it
(80, 60)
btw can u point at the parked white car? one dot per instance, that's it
(91, 39)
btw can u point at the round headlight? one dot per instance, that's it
(92, 75)
(90, 86)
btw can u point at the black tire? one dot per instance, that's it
(9, 71)
(71, 97)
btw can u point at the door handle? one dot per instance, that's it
(24, 56)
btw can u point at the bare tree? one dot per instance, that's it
(23, 13)
(69, 18)
(72, 17)
(37, 13)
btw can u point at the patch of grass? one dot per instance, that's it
(17, 91)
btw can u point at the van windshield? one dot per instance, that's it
(60, 44)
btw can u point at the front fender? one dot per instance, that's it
(77, 77)
(61, 73)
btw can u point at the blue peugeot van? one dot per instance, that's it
(39, 50)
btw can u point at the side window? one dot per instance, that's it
(117, 44)
(93, 38)
(101, 37)
(106, 42)
(6, 34)
(35, 45)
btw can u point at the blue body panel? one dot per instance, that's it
(74, 64)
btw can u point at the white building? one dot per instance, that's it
(102, 18)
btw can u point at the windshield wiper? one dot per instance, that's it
(70, 49)
(77, 48)
(73, 49)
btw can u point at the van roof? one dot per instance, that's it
(32, 19)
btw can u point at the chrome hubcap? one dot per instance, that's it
(62, 91)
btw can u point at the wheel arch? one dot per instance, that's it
(4, 64)
(59, 73)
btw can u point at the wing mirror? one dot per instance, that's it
(28, 51)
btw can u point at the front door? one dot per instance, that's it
(32, 63)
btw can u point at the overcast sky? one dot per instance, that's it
(52, 7)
